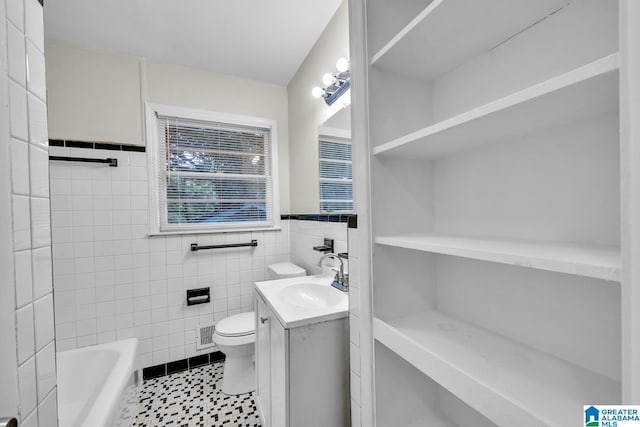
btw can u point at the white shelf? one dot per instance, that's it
(435, 419)
(509, 383)
(449, 32)
(600, 262)
(582, 93)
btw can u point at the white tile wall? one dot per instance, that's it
(39, 174)
(41, 271)
(30, 208)
(36, 78)
(37, 122)
(28, 390)
(43, 313)
(357, 387)
(48, 411)
(356, 411)
(15, 13)
(33, 23)
(31, 420)
(18, 107)
(113, 281)
(17, 53)
(40, 221)
(46, 370)
(26, 332)
(307, 234)
(23, 277)
(21, 222)
(19, 174)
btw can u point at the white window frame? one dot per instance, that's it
(329, 132)
(152, 111)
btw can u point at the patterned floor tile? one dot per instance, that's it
(194, 399)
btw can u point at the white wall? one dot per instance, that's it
(93, 95)
(306, 113)
(25, 187)
(99, 96)
(307, 234)
(112, 281)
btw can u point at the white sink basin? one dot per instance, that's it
(304, 300)
(312, 295)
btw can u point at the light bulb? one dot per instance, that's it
(316, 92)
(327, 79)
(342, 65)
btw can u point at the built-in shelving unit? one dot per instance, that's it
(513, 384)
(597, 261)
(448, 32)
(499, 208)
(579, 94)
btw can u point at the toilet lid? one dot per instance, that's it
(237, 325)
(286, 269)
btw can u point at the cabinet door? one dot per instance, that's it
(263, 359)
(279, 373)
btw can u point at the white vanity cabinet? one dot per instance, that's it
(302, 372)
(270, 365)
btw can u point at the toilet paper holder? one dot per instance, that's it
(198, 296)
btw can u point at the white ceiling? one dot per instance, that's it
(264, 40)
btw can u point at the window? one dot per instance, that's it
(213, 171)
(336, 187)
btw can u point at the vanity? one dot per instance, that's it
(302, 353)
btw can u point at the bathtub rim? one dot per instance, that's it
(107, 400)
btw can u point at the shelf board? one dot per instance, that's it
(435, 419)
(509, 383)
(597, 261)
(579, 94)
(447, 33)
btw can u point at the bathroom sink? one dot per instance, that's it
(312, 295)
(299, 301)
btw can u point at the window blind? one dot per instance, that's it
(336, 180)
(213, 175)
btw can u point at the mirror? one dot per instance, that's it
(335, 163)
(307, 114)
(341, 120)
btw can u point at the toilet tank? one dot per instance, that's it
(284, 270)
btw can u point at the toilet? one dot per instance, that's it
(235, 337)
(284, 270)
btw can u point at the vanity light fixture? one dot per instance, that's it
(334, 84)
(342, 65)
(317, 92)
(328, 79)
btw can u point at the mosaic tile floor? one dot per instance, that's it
(194, 399)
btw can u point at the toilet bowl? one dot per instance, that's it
(235, 337)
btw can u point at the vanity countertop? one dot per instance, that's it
(300, 301)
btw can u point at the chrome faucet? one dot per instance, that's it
(341, 280)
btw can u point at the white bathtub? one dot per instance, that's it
(97, 385)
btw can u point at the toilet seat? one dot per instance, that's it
(238, 325)
(220, 340)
